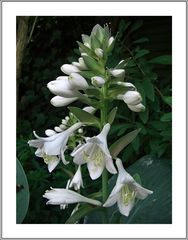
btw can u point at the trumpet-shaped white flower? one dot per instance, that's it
(69, 68)
(58, 101)
(62, 197)
(50, 147)
(125, 191)
(97, 81)
(77, 181)
(96, 154)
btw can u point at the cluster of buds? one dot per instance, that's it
(84, 80)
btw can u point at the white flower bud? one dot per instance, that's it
(87, 45)
(110, 41)
(89, 109)
(57, 129)
(69, 68)
(84, 54)
(67, 118)
(58, 101)
(131, 97)
(82, 64)
(99, 52)
(97, 81)
(118, 72)
(64, 121)
(127, 84)
(50, 132)
(137, 108)
(62, 126)
(77, 81)
(80, 130)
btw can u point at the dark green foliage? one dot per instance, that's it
(145, 43)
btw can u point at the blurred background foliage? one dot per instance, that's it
(49, 42)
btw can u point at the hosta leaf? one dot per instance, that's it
(149, 89)
(121, 143)
(22, 193)
(141, 53)
(85, 117)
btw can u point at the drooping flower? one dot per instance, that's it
(58, 101)
(77, 181)
(69, 68)
(96, 154)
(62, 197)
(125, 191)
(50, 147)
(97, 81)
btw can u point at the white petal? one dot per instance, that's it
(123, 176)
(39, 152)
(63, 148)
(141, 192)
(53, 163)
(58, 101)
(37, 143)
(114, 195)
(118, 72)
(77, 181)
(110, 165)
(132, 97)
(125, 209)
(50, 132)
(89, 109)
(136, 108)
(95, 171)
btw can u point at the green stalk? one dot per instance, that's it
(104, 119)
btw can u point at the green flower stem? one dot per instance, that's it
(104, 120)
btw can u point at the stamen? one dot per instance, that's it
(127, 195)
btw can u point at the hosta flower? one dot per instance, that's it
(50, 147)
(69, 68)
(58, 101)
(125, 191)
(136, 108)
(62, 197)
(80, 64)
(99, 52)
(97, 81)
(77, 181)
(96, 154)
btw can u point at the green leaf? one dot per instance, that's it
(165, 59)
(136, 25)
(144, 116)
(22, 193)
(112, 115)
(141, 40)
(86, 49)
(149, 89)
(87, 74)
(81, 212)
(155, 174)
(141, 53)
(167, 100)
(85, 117)
(95, 43)
(93, 65)
(167, 117)
(121, 143)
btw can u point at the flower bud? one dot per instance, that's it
(110, 41)
(89, 109)
(64, 121)
(87, 45)
(97, 81)
(85, 38)
(80, 130)
(50, 132)
(99, 52)
(84, 54)
(127, 84)
(69, 68)
(131, 97)
(118, 73)
(58, 101)
(62, 126)
(77, 81)
(136, 108)
(57, 129)
(67, 118)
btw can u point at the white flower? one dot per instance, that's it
(69, 68)
(136, 108)
(118, 73)
(49, 132)
(97, 81)
(50, 147)
(99, 52)
(81, 64)
(127, 85)
(62, 197)
(130, 97)
(125, 191)
(77, 181)
(58, 101)
(96, 154)
(57, 129)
